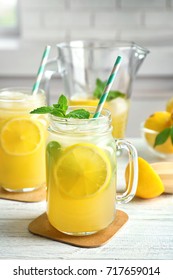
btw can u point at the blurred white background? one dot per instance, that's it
(26, 26)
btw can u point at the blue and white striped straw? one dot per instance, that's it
(41, 70)
(108, 87)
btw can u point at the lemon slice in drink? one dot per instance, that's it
(82, 171)
(20, 136)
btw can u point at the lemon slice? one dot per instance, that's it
(82, 171)
(20, 136)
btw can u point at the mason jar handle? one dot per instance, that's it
(133, 171)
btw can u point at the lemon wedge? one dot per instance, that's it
(149, 182)
(20, 136)
(83, 170)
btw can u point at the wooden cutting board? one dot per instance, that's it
(165, 171)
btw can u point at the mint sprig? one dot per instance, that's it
(163, 136)
(42, 110)
(60, 108)
(100, 86)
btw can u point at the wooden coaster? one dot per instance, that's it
(41, 226)
(33, 196)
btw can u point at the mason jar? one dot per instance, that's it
(22, 140)
(81, 169)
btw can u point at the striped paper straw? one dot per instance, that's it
(108, 87)
(41, 70)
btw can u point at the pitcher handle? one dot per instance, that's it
(50, 70)
(133, 171)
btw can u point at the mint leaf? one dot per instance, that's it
(58, 113)
(100, 86)
(62, 100)
(115, 94)
(78, 114)
(100, 83)
(62, 104)
(42, 110)
(171, 133)
(53, 151)
(162, 136)
(53, 147)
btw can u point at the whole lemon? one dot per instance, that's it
(156, 123)
(169, 105)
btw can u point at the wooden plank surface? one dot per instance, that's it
(148, 234)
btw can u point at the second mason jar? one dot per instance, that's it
(22, 140)
(81, 173)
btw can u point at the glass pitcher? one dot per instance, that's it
(84, 67)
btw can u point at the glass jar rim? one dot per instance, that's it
(102, 123)
(6, 94)
(104, 113)
(100, 44)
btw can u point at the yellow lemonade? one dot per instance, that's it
(22, 142)
(119, 108)
(81, 173)
(77, 190)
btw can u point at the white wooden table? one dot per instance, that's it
(148, 234)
